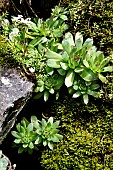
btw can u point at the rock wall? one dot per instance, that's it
(14, 94)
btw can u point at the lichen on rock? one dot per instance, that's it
(14, 94)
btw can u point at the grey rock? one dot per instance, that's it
(14, 94)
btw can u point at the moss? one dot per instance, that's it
(108, 88)
(93, 19)
(5, 54)
(3, 46)
(88, 136)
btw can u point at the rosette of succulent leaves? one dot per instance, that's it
(4, 161)
(30, 135)
(80, 65)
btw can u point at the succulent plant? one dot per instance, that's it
(25, 136)
(30, 135)
(5, 163)
(80, 63)
(47, 131)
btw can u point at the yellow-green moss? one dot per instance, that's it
(5, 54)
(94, 19)
(3, 46)
(88, 136)
(108, 88)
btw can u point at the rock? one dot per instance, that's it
(14, 94)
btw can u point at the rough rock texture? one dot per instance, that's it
(14, 94)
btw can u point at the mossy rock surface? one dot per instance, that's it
(88, 136)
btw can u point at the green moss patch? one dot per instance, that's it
(93, 19)
(88, 136)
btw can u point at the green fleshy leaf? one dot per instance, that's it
(85, 98)
(94, 86)
(60, 137)
(77, 94)
(38, 128)
(66, 46)
(36, 125)
(64, 65)
(108, 69)
(53, 55)
(88, 75)
(17, 141)
(30, 151)
(44, 123)
(88, 43)
(20, 150)
(57, 33)
(24, 123)
(50, 120)
(18, 127)
(78, 40)
(71, 90)
(37, 96)
(23, 130)
(44, 142)
(51, 91)
(30, 127)
(104, 62)
(86, 63)
(3, 163)
(50, 145)
(61, 71)
(102, 78)
(91, 52)
(69, 38)
(31, 145)
(34, 42)
(50, 70)
(40, 83)
(15, 134)
(65, 57)
(46, 95)
(92, 93)
(53, 63)
(41, 89)
(75, 87)
(69, 78)
(64, 17)
(25, 145)
(55, 124)
(54, 131)
(78, 69)
(59, 83)
(57, 95)
(33, 119)
(37, 89)
(38, 140)
(99, 57)
(55, 139)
